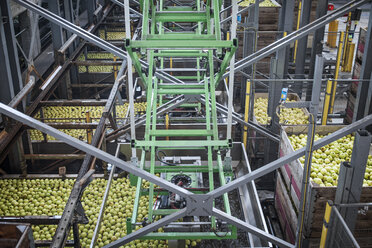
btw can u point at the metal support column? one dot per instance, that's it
(361, 109)
(302, 46)
(249, 46)
(317, 47)
(90, 6)
(275, 89)
(57, 37)
(73, 76)
(10, 72)
(130, 78)
(300, 239)
(350, 179)
(285, 26)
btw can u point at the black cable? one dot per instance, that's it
(164, 154)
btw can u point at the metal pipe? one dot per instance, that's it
(71, 40)
(74, 102)
(130, 78)
(231, 75)
(103, 206)
(22, 93)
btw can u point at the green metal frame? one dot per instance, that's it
(159, 45)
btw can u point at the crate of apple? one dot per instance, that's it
(35, 197)
(76, 114)
(288, 116)
(325, 165)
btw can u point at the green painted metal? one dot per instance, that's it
(180, 54)
(159, 44)
(180, 133)
(167, 43)
(178, 36)
(181, 86)
(183, 143)
(180, 91)
(184, 16)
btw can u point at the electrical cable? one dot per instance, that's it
(161, 160)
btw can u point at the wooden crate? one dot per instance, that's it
(268, 21)
(291, 180)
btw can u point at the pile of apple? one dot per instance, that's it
(97, 69)
(111, 35)
(24, 197)
(96, 55)
(265, 3)
(325, 165)
(77, 114)
(288, 116)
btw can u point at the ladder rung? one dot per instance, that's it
(182, 69)
(180, 132)
(180, 16)
(181, 86)
(180, 91)
(180, 36)
(183, 143)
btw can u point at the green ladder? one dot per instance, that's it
(164, 37)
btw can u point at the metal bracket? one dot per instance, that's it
(134, 161)
(80, 216)
(199, 205)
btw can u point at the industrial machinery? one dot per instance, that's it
(199, 46)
